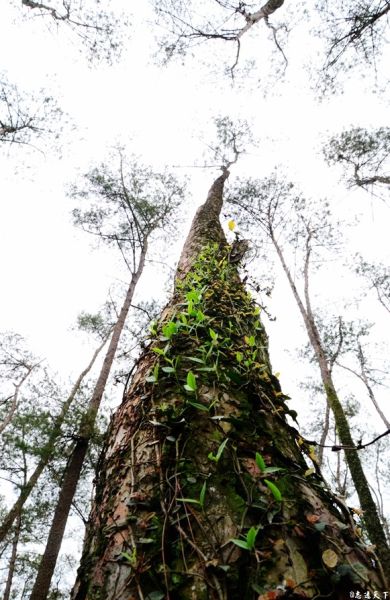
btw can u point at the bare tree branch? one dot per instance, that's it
(364, 153)
(15, 398)
(24, 118)
(186, 25)
(355, 30)
(101, 31)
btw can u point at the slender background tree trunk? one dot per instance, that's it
(12, 560)
(47, 452)
(371, 517)
(76, 461)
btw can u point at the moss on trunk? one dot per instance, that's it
(200, 454)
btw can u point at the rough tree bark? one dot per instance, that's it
(200, 453)
(73, 470)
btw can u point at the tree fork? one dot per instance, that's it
(203, 491)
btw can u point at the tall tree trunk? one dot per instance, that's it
(73, 469)
(47, 451)
(12, 560)
(367, 503)
(179, 478)
(324, 434)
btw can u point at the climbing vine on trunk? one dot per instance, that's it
(203, 487)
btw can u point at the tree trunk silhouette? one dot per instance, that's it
(203, 490)
(73, 470)
(371, 517)
(47, 451)
(12, 560)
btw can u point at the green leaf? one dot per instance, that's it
(155, 596)
(153, 327)
(193, 296)
(320, 526)
(220, 450)
(127, 556)
(240, 543)
(153, 378)
(198, 405)
(191, 382)
(131, 558)
(274, 489)
(272, 469)
(158, 351)
(169, 329)
(251, 537)
(360, 571)
(168, 369)
(195, 359)
(202, 494)
(189, 500)
(250, 340)
(213, 335)
(239, 357)
(260, 462)
(225, 568)
(271, 513)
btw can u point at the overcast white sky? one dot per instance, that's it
(48, 270)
